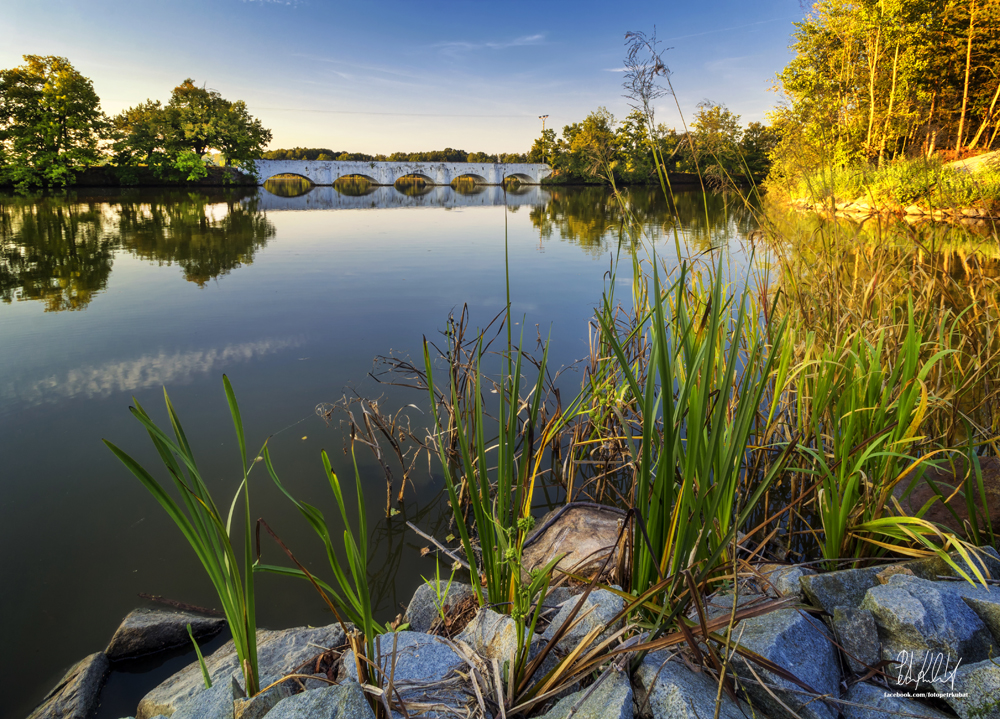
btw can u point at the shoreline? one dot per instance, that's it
(860, 211)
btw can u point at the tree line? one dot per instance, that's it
(873, 80)
(716, 145)
(52, 126)
(446, 155)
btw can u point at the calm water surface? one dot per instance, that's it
(114, 294)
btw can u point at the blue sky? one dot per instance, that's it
(384, 76)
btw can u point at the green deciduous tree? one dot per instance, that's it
(875, 79)
(51, 122)
(176, 136)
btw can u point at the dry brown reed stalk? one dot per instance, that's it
(375, 428)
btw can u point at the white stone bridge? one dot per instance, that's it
(387, 173)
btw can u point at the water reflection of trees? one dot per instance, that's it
(60, 250)
(592, 218)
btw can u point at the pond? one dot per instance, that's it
(112, 294)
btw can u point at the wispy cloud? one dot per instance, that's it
(149, 370)
(616, 69)
(289, 3)
(457, 46)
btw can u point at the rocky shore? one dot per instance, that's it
(861, 210)
(908, 639)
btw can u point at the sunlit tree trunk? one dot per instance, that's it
(986, 120)
(892, 99)
(872, 76)
(968, 65)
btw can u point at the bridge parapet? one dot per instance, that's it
(386, 173)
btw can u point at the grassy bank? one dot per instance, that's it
(926, 183)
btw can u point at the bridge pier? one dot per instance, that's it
(387, 173)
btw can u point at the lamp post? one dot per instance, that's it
(542, 118)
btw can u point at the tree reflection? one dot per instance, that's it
(60, 250)
(54, 252)
(592, 218)
(203, 235)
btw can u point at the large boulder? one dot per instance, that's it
(213, 703)
(612, 699)
(278, 653)
(974, 691)
(667, 689)
(917, 618)
(847, 587)
(257, 706)
(145, 631)
(598, 610)
(76, 694)
(798, 643)
(340, 701)
(585, 533)
(782, 580)
(857, 633)
(428, 674)
(492, 636)
(427, 602)
(869, 701)
(721, 605)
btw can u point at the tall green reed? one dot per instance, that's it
(206, 530)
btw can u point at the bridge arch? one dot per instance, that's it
(470, 177)
(355, 185)
(357, 176)
(288, 184)
(521, 177)
(412, 177)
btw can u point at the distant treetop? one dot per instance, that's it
(446, 155)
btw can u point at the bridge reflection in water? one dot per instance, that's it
(329, 198)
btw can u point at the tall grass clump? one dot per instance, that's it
(896, 372)
(206, 529)
(492, 458)
(352, 602)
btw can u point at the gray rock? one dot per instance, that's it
(76, 694)
(877, 702)
(214, 703)
(423, 608)
(278, 653)
(783, 580)
(721, 605)
(557, 596)
(918, 617)
(844, 588)
(984, 601)
(494, 636)
(491, 636)
(980, 685)
(340, 701)
(599, 608)
(425, 673)
(988, 610)
(667, 689)
(257, 706)
(145, 631)
(798, 643)
(611, 700)
(857, 633)
(847, 587)
(320, 682)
